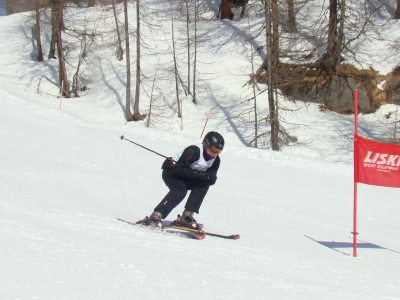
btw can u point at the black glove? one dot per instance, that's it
(168, 164)
(212, 176)
(200, 175)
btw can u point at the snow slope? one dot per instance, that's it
(65, 176)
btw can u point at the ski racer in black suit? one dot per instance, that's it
(193, 169)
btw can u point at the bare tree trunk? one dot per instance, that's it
(10, 7)
(52, 50)
(188, 43)
(57, 10)
(38, 35)
(254, 83)
(151, 99)
(397, 16)
(120, 51)
(176, 70)
(225, 10)
(275, 33)
(242, 11)
(194, 100)
(128, 113)
(292, 17)
(271, 63)
(136, 114)
(342, 7)
(86, 42)
(332, 28)
(335, 34)
(274, 69)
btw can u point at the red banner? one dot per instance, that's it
(378, 163)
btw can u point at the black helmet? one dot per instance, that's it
(214, 141)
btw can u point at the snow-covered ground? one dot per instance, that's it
(65, 176)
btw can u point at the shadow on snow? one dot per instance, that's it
(340, 245)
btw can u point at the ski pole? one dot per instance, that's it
(209, 115)
(123, 138)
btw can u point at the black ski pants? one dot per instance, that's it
(178, 188)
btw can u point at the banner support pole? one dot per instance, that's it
(356, 168)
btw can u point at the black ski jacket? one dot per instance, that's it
(182, 169)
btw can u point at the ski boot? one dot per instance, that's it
(187, 220)
(153, 221)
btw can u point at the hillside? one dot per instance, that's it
(65, 176)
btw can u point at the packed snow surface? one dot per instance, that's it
(66, 176)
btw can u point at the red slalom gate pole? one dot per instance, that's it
(356, 168)
(209, 115)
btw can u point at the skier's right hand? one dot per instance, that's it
(212, 176)
(200, 175)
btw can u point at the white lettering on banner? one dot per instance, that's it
(387, 168)
(368, 159)
(381, 159)
(369, 165)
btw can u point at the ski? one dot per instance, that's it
(183, 233)
(223, 236)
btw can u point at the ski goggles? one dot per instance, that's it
(215, 150)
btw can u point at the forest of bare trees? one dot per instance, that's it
(319, 74)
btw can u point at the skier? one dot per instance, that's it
(195, 169)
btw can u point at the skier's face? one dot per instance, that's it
(211, 153)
